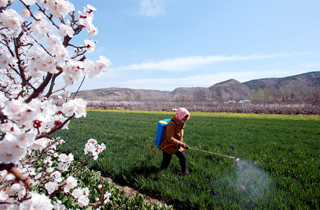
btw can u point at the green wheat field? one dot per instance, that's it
(278, 168)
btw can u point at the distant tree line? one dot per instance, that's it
(309, 95)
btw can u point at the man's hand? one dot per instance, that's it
(183, 145)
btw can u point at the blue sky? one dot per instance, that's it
(164, 44)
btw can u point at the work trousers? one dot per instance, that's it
(182, 158)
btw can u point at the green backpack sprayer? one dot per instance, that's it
(159, 138)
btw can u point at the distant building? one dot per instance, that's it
(244, 102)
(231, 102)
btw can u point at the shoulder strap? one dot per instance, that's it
(174, 122)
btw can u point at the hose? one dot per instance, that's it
(160, 149)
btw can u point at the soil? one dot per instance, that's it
(132, 192)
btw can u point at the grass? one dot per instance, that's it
(279, 167)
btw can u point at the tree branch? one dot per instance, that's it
(40, 89)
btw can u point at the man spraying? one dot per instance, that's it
(173, 135)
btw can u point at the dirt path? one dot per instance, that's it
(132, 192)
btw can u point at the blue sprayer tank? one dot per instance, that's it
(160, 131)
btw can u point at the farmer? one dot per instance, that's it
(174, 135)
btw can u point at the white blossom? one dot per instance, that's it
(63, 166)
(25, 13)
(59, 206)
(29, 2)
(11, 152)
(40, 144)
(26, 139)
(56, 176)
(83, 201)
(13, 109)
(3, 3)
(65, 30)
(71, 183)
(6, 59)
(65, 158)
(12, 20)
(82, 196)
(80, 105)
(93, 148)
(37, 202)
(107, 197)
(51, 187)
(90, 45)
(40, 53)
(41, 27)
(19, 189)
(59, 8)
(3, 196)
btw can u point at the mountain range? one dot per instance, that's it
(296, 87)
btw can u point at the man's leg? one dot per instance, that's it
(166, 160)
(183, 161)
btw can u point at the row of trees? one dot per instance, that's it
(271, 108)
(284, 94)
(309, 95)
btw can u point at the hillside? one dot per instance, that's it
(123, 94)
(297, 87)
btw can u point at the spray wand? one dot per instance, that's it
(235, 159)
(187, 147)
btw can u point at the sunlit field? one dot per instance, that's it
(278, 167)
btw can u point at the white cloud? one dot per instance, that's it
(205, 80)
(152, 8)
(189, 63)
(311, 65)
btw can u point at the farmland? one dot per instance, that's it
(278, 167)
